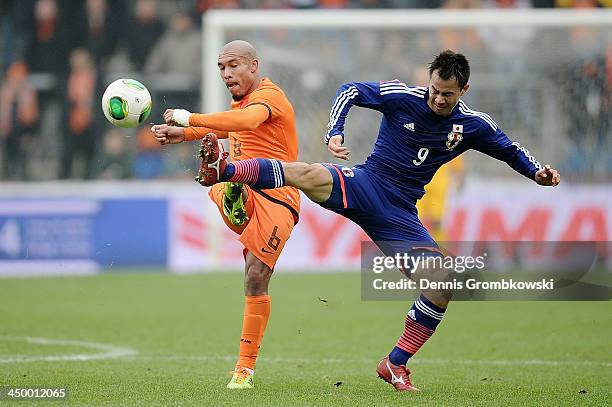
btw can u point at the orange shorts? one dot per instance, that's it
(268, 228)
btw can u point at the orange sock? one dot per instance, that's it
(256, 315)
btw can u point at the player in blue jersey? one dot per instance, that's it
(421, 129)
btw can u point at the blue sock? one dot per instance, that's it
(229, 172)
(260, 173)
(421, 322)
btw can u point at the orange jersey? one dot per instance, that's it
(275, 138)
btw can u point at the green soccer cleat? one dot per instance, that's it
(242, 379)
(233, 205)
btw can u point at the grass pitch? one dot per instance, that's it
(162, 339)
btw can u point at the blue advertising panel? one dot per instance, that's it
(87, 233)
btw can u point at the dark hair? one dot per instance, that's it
(451, 64)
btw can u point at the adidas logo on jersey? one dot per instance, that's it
(409, 126)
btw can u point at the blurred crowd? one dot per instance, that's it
(57, 55)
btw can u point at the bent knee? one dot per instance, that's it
(258, 274)
(257, 279)
(257, 271)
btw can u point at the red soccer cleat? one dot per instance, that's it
(396, 376)
(214, 161)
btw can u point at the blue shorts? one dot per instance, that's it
(356, 196)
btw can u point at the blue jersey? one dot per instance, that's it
(413, 142)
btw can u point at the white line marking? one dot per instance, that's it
(105, 351)
(115, 352)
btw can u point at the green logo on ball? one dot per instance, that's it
(117, 108)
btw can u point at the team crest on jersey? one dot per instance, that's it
(455, 136)
(347, 172)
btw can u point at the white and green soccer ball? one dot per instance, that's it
(126, 103)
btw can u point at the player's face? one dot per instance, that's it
(444, 94)
(238, 72)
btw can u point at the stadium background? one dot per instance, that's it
(128, 211)
(79, 196)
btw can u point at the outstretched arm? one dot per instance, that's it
(166, 134)
(248, 118)
(497, 145)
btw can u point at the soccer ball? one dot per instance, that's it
(126, 103)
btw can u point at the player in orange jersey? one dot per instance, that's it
(261, 123)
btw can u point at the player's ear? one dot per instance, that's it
(254, 65)
(465, 89)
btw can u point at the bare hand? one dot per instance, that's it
(168, 117)
(335, 147)
(548, 176)
(165, 134)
